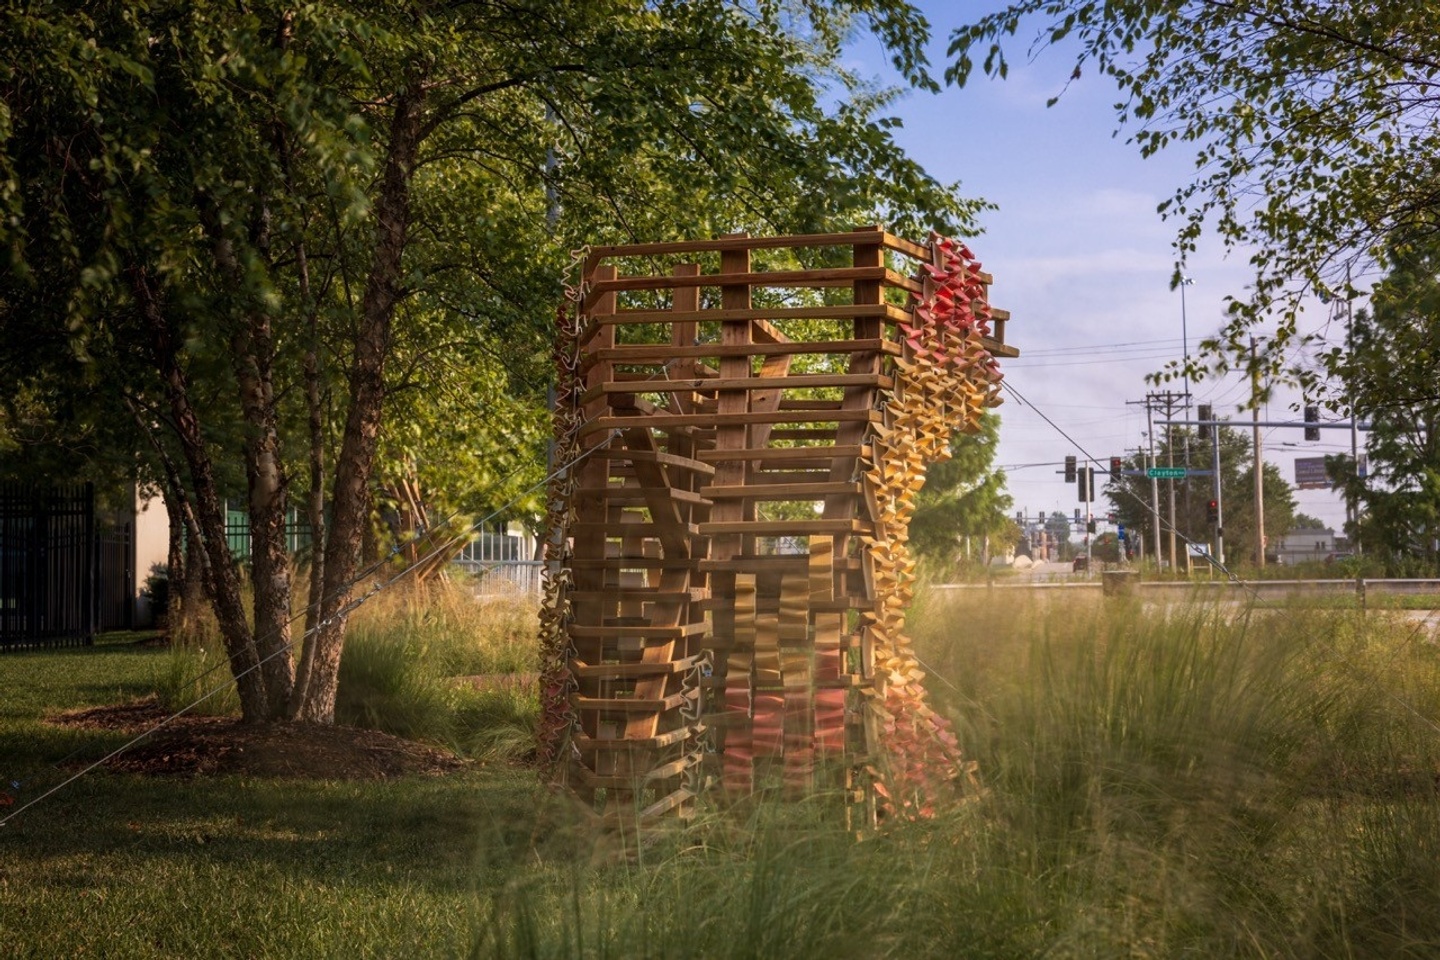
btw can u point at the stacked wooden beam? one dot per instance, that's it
(721, 586)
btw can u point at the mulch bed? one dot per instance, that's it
(200, 746)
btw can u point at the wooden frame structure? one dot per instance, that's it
(742, 424)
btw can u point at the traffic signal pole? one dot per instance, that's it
(1259, 461)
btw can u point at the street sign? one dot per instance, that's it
(1165, 473)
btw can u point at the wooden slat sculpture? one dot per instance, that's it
(727, 567)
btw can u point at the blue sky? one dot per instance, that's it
(1082, 261)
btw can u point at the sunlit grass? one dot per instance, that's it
(1183, 782)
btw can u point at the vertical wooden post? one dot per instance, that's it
(735, 664)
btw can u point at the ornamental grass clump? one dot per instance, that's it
(434, 662)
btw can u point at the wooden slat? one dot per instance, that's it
(636, 780)
(632, 704)
(668, 421)
(646, 632)
(824, 277)
(630, 563)
(661, 353)
(784, 453)
(630, 528)
(633, 497)
(783, 528)
(665, 804)
(865, 236)
(588, 744)
(619, 671)
(773, 563)
(845, 311)
(653, 456)
(794, 381)
(837, 605)
(778, 491)
(644, 594)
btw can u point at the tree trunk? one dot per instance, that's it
(315, 509)
(349, 503)
(253, 354)
(225, 579)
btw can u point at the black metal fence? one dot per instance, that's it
(62, 579)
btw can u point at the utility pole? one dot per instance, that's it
(1154, 484)
(1170, 401)
(1185, 351)
(1352, 511)
(1219, 498)
(1259, 460)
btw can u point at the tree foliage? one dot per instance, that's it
(307, 249)
(963, 497)
(1391, 373)
(1313, 125)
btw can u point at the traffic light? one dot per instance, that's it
(1207, 414)
(1085, 484)
(1117, 466)
(1109, 518)
(1069, 469)
(1312, 415)
(1090, 526)
(1020, 517)
(1212, 511)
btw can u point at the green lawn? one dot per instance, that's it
(1182, 783)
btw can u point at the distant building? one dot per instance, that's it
(1309, 544)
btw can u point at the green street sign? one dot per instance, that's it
(1165, 473)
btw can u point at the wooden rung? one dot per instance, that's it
(785, 453)
(632, 497)
(822, 277)
(647, 632)
(588, 745)
(634, 528)
(651, 456)
(631, 563)
(633, 704)
(773, 474)
(798, 381)
(774, 563)
(635, 781)
(778, 491)
(666, 421)
(838, 312)
(664, 805)
(838, 605)
(625, 671)
(645, 594)
(660, 354)
(785, 528)
(711, 405)
(865, 236)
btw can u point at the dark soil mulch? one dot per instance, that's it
(201, 746)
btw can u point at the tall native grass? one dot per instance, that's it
(434, 662)
(1191, 782)
(428, 662)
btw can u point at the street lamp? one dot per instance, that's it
(1185, 338)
